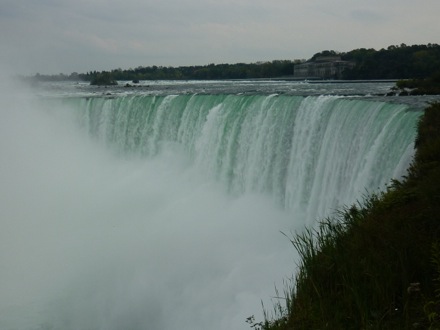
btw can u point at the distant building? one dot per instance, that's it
(324, 67)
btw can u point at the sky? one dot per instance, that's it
(65, 36)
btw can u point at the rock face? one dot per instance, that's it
(103, 79)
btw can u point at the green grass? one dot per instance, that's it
(375, 265)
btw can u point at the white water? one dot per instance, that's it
(309, 154)
(93, 240)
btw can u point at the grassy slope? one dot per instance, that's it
(377, 266)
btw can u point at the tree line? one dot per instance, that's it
(277, 68)
(394, 62)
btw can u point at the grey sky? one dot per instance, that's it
(53, 36)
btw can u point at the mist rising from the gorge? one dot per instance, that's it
(93, 240)
(89, 241)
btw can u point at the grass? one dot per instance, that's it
(376, 264)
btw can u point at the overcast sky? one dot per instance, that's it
(54, 36)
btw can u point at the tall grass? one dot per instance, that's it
(376, 264)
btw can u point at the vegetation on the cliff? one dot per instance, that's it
(376, 265)
(427, 86)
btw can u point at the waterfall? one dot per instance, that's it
(164, 212)
(311, 154)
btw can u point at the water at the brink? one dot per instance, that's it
(163, 210)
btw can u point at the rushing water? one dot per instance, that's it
(160, 207)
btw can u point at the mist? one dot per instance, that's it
(90, 240)
(95, 234)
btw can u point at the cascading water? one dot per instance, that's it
(310, 154)
(169, 216)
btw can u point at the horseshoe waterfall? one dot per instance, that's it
(161, 212)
